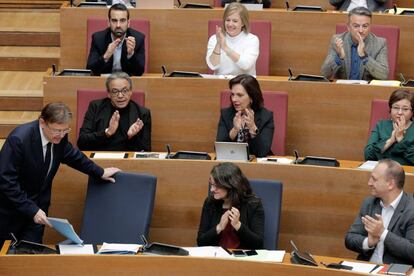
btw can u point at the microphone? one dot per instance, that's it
(144, 240)
(402, 78)
(53, 70)
(164, 70)
(395, 8)
(287, 5)
(290, 74)
(179, 3)
(296, 157)
(168, 152)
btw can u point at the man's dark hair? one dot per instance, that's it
(57, 113)
(360, 11)
(118, 7)
(394, 171)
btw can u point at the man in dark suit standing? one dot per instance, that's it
(383, 231)
(118, 47)
(29, 160)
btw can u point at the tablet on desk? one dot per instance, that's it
(230, 151)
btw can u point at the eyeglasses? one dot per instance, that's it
(357, 27)
(58, 131)
(115, 92)
(402, 109)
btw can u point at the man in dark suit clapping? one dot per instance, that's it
(118, 47)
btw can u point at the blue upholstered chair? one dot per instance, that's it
(270, 192)
(118, 212)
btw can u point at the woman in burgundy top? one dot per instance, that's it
(232, 216)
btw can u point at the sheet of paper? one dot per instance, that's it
(352, 81)
(119, 248)
(109, 155)
(385, 82)
(368, 165)
(267, 256)
(145, 155)
(65, 228)
(278, 160)
(208, 251)
(210, 76)
(360, 267)
(76, 249)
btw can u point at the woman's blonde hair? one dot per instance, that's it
(242, 11)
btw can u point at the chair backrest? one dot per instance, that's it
(85, 96)
(270, 192)
(392, 35)
(277, 102)
(120, 212)
(390, 4)
(379, 111)
(98, 24)
(263, 30)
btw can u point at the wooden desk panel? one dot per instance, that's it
(299, 40)
(153, 265)
(319, 203)
(324, 119)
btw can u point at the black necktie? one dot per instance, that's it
(48, 157)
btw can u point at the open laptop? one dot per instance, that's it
(229, 151)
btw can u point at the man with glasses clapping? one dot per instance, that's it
(116, 123)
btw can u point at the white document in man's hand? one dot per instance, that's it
(65, 228)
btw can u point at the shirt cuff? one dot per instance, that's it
(365, 245)
(338, 60)
(383, 235)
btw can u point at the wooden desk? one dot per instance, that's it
(154, 265)
(319, 203)
(324, 119)
(299, 39)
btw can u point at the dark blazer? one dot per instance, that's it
(399, 242)
(92, 134)
(250, 233)
(24, 187)
(100, 40)
(261, 144)
(266, 3)
(373, 5)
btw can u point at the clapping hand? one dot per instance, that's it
(339, 47)
(130, 44)
(113, 123)
(135, 128)
(374, 227)
(111, 49)
(361, 46)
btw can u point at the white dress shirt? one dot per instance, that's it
(357, 3)
(44, 147)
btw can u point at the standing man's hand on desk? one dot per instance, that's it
(108, 173)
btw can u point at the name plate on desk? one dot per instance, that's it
(109, 155)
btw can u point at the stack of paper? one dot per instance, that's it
(119, 248)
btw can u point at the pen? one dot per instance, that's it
(375, 267)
